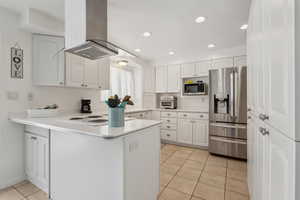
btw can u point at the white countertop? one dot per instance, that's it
(62, 124)
(181, 110)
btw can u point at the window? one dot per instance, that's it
(122, 81)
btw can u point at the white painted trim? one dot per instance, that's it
(12, 181)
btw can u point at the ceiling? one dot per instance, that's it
(171, 22)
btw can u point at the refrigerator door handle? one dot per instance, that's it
(231, 98)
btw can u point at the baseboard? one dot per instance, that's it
(184, 145)
(12, 182)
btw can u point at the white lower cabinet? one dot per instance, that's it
(185, 131)
(271, 163)
(37, 160)
(200, 132)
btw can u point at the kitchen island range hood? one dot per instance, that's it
(86, 29)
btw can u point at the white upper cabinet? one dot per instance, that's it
(74, 70)
(202, 68)
(222, 63)
(91, 73)
(48, 60)
(174, 78)
(162, 79)
(149, 79)
(104, 74)
(168, 79)
(188, 70)
(84, 73)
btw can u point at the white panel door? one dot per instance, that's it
(222, 63)
(161, 79)
(188, 70)
(75, 70)
(149, 79)
(43, 161)
(104, 74)
(91, 74)
(200, 132)
(174, 78)
(31, 155)
(185, 131)
(279, 28)
(201, 68)
(48, 60)
(280, 167)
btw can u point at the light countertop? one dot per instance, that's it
(62, 124)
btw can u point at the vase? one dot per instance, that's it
(116, 117)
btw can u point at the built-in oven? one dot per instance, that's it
(196, 88)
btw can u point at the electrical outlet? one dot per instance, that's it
(12, 95)
(30, 96)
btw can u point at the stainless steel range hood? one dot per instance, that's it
(86, 29)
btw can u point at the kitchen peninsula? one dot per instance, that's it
(72, 160)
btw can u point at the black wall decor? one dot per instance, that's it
(16, 62)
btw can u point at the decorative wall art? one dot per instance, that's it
(16, 62)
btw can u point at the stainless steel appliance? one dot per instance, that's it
(86, 30)
(168, 102)
(228, 112)
(195, 88)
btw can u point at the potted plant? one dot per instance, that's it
(116, 110)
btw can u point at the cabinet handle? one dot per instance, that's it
(168, 135)
(168, 120)
(33, 138)
(169, 114)
(249, 117)
(99, 87)
(168, 127)
(201, 116)
(184, 115)
(82, 85)
(61, 83)
(263, 131)
(249, 110)
(263, 117)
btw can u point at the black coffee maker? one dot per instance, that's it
(86, 106)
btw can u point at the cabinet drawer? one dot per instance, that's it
(168, 135)
(168, 114)
(169, 120)
(193, 115)
(37, 131)
(169, 126)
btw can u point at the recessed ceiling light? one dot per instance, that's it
(122, 62)
(200, 19)
(137, 50)
(244, 27)
(171, 53)
(211, 46)
(146, 34)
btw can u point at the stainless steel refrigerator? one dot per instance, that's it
(228, 112)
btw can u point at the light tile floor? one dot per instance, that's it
(194, 174)
(185, 174)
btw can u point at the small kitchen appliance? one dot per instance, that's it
(86, 106)
(191, 88)
(168, 102)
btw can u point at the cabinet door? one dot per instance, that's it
(174, 78)
(43, 161)
(188, 70)
(200, 132)
(104, 74)
(162, 79)
(185, 131)
(149, 79)
(202, 68)
(279, 56)
(222, 63)
(31, 155)
(91, 73)
(48, 60)
(280, 167)
(75, 70)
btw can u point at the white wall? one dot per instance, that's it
(11, 135)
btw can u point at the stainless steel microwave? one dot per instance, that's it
(193, 89)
